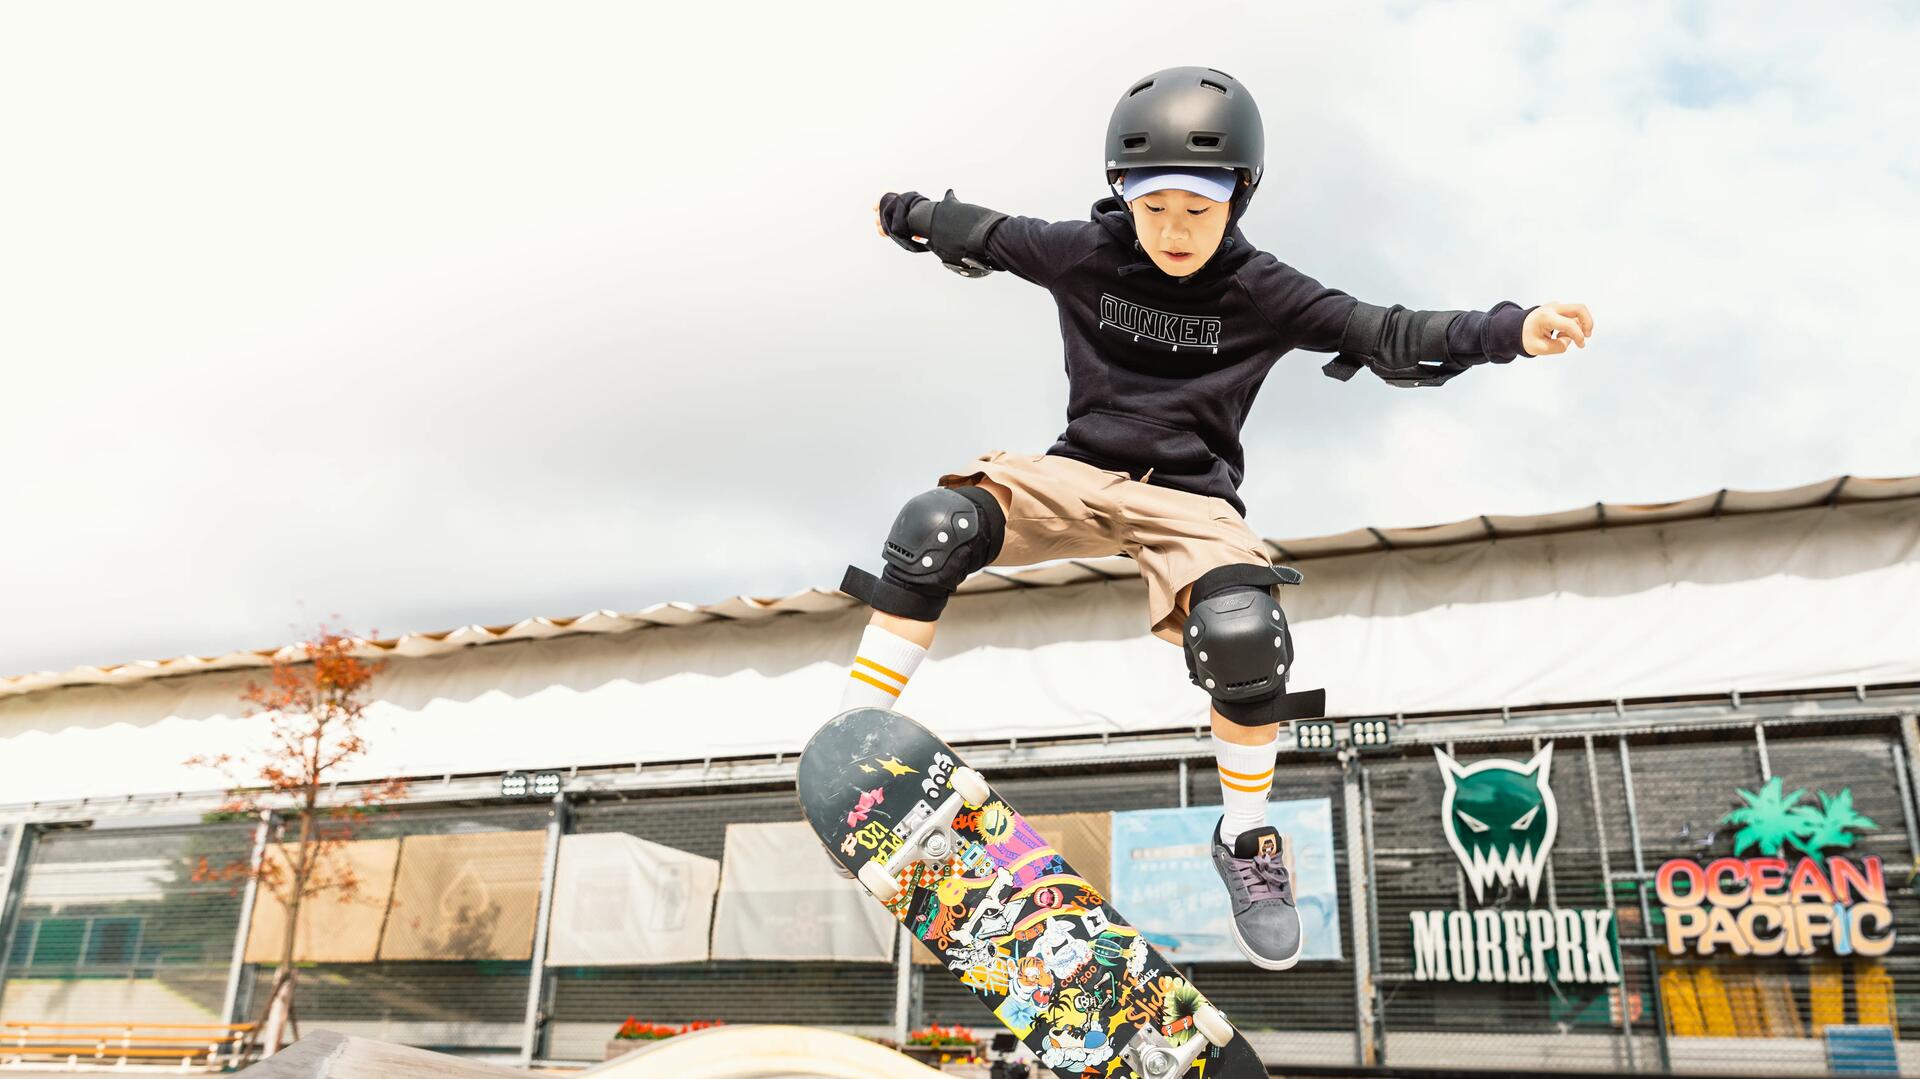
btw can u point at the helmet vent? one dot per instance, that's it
(1133, 143)
(1140, 87)
(1214, 86)
(1205, 140)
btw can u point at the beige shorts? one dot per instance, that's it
(1063, 508)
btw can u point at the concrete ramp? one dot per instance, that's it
(326, 1055)
(763, 1052)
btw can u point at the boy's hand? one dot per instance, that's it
(1552, 326)
(890, 219)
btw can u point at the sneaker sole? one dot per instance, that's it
(1257, 960)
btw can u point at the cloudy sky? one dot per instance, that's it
(432, 314)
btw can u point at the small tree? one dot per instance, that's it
(314, 703)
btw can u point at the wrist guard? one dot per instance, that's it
(957, 231)
(1405, 348)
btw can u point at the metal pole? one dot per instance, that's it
(537, 969)
(237, 965)
(1606, 885)
(1906, 802)
(1646, 914)
(1910, 738)
(903, 989)
(1760, 741)
(19, 849)
(1183, 783)
(1373, 920)
(1358, 902)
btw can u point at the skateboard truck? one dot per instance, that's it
(931, 839)
(1152, 1056)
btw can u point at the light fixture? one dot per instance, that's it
(529, 784)
(1370, 733)
(1317, 736)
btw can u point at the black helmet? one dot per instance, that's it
(1187, 116)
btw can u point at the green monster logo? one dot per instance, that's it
(1500, 819)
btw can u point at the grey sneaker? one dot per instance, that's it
(1258, 872)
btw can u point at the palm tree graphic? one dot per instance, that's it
(1831, 825)
(1774, 817)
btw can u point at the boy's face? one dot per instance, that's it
(1179, 230)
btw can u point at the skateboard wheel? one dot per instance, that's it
(972, 786)
(1212, 1025)
(881, 883)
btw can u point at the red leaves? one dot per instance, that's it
(312, 703)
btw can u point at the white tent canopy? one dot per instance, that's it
(1769, 599)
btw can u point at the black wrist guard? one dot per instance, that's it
(958, 233)
(1405, 348)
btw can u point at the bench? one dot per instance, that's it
(184, 1047)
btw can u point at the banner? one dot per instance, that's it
(331, 930)
(1164, 881)
(472, 896)
(619, 900)
(780, 898)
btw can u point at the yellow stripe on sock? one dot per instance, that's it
(1251, 778)
(1250, 790)
(895, 675)
(873, 682)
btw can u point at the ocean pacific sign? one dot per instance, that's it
(1500, 818)
(1772, 905)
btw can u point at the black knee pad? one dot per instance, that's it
(1239, 648)
(940, 537)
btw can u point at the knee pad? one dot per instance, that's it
(939, 538)
(1239, 648)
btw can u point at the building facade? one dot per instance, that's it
(1648, 803)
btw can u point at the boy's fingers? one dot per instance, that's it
(1579, 311)
(1569, 330)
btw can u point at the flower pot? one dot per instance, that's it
(618, 1046)
(930, 1055)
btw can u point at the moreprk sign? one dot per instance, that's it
(1813, 902)
(1500, 818)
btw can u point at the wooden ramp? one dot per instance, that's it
(336, 1056)
(763, 1052)
(730, 1052)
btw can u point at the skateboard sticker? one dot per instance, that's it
(1008, 916)
(861, 809)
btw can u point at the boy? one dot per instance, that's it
(1171, 320)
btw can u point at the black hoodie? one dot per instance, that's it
(1162, 370)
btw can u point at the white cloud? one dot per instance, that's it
(446, 313)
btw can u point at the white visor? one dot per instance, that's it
(1215, 184)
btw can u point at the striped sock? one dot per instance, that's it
(880, 670)
(1246, 777)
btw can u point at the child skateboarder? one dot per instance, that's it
(1171, 320)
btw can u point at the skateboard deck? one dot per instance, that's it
(1002, 910)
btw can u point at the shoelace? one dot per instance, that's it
(1265, 877)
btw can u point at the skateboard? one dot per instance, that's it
(1004, 912)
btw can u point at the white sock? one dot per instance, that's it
(880, 670)
(1246, 778)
